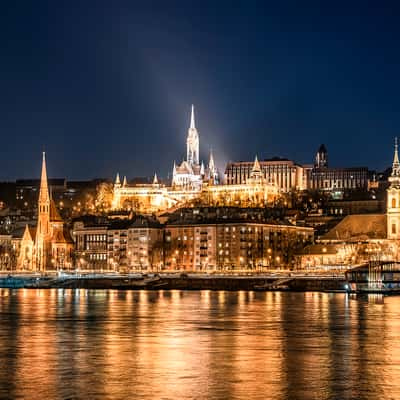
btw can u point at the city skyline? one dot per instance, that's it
(110, 87)
(199, 200)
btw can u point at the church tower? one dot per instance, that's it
(43, 225)
(212, 170)
(393, 198)
(192, 142)
(116, 201)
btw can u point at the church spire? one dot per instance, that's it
(43, 223)
(44, 189)
(211, 164)
(202, 169)
(192, 142)
(117, 180)
(155, 179)
(192, 124)
(124, 182)
(396, 163)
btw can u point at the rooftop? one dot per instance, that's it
(359, 227)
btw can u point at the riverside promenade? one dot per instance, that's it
(182, 281)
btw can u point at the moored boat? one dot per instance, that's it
(375, 277)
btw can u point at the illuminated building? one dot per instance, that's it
(189, 174)
(393, 198)
(255, 191)
(121, 244)
(285, 174)
(192, 181)
(323, 177)
(144, 197)
(363, 237)
(49, 245)
(91, 246)
(288, 175)
(230, 239)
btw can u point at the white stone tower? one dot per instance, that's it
(393, 198)
(192, 142)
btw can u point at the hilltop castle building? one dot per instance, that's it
(191, 181)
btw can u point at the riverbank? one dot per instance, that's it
(179, 282)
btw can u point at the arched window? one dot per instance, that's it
(393, 229)
(393, 202)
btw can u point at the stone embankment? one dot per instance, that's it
(180, 282)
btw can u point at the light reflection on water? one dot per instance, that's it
(180, 344)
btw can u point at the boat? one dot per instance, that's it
(374, 277)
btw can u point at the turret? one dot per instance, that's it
(256, 167)
(117, 181)
(212, 170)
(155, 180)
(321, 158)
(202, 170)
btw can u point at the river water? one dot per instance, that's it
(105, 344)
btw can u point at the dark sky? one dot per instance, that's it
(107, 86)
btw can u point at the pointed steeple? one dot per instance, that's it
(44, 189)
(211, 164)
(256, 165)
(202, 170)
(396, 163)
(192, 124)
(117, 180)
(192, 142)
(174, 169)
(43, 224)
(124, 182)
(155, 179)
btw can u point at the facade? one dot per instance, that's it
(48, 246)
(322, 177)
(255, 191)
(230, 239)
(135, 244)
(145, 197)
(91, 246)
(285, 174)
(288, 175)
(118, 245)
(9, 250)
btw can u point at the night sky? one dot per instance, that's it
(107, 86)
